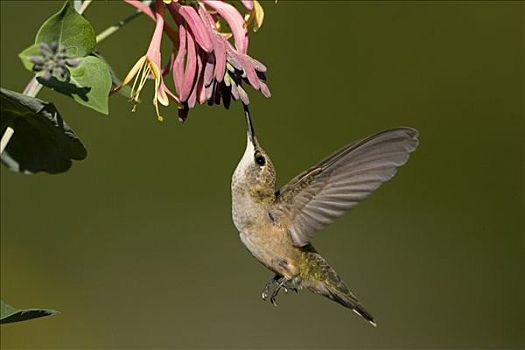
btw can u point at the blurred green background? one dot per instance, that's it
(136, 248)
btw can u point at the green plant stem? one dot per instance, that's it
(84, 6)
(32, 88)
(5, 138)
(114, 28)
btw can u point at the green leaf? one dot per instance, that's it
(26, 55)
(89, 85)
(124, 90)
(42, 141)
(9, 314)
(69, 29)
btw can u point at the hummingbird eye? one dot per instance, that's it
(259, 158)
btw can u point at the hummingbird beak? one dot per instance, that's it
(251, 131)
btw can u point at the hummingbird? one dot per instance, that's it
(277, 226)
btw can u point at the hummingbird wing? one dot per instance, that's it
(326, 191)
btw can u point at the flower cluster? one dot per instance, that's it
(53, 61)
(206, 67)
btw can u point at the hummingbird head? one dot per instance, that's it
(255, 172)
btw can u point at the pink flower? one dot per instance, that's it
(234, 20)
(205, 66)
(147, 65)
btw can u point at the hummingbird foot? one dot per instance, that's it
(266, 290)
(282, 285)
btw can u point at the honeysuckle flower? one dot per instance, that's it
(53, 61)
(145, 9)
(204, 77)
(234, 20)
(150, 64)
(205, 66)
(248, 4)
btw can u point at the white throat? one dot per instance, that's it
(244, 209)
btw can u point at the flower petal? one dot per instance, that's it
(235, 92)
(178, 64)
(133, 71)
(196, 26)
(243, 95)
(256, 64)
(251, 74)
(192, 99)
(154, 63)
(154, 46)
(191, 66)
(209, 68)
(142, 7)
(233, 60)
(162, 97)
(264, 90)
(235, 21)
(219, 48)
(168, 91)
(209, 90)
(259, 15)
(202, 94)
(248, 4)
(239, 60)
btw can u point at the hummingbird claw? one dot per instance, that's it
(281, 284)
(273, 301)
(266, 290)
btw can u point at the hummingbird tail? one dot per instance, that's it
(348, 300)
(322, 279)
